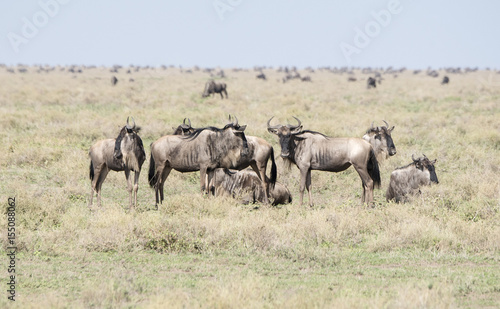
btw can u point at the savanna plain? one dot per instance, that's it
(441, 250)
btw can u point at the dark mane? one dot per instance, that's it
(118, 142)
(197, 132)
(312, 132)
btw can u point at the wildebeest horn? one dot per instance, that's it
(189, 120)
(128, 125)
(387, 125)
(372, 125)
(133, 120)
(294, 127)
(412, 157)
(236, 123)
(269, 124)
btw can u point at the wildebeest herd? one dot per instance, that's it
(221, 155)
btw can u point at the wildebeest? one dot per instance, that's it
(408, 179)
(306, 79)
(310, 150)
(445, 80)
(211, 87)
(351, 79)
(124, 153)
(203, 150)
(261, 76)
(114, 80)
(259, 153)
(381, 140)
(371, 83)
(247, 185)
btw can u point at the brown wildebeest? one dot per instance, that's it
(124, 153)
(211, 88)
(247, 185)
(203, 150)
(381, 140)
(310, 150)
(408, 179)
(259, 153)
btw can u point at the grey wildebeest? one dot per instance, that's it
(408, 179)
(259, 153)
(445, 80)
(114, 80)
(381, 140)
(247, 185)
(371, 83)
(310, 150)
(261, 76)
(124, 153)
(211, 88)
(203, 150)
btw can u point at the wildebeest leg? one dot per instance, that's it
(367, 184)
(225, 91)
(261, 172)
(102, 175)
(308, 187)
(164, 176)
(136, 186)
(221, 96)
(129, 187)
(303, 180)
(203, 179)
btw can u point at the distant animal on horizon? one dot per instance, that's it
(211, 88)
(306, 79)
(310, 150)
(124, 153)
(261, 76)
(446, 80)
(407, 180)
(371, 83)
(246, 185)
(114, 80)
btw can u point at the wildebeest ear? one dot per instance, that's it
(242, 128)
(297, 130)
(434, 161)
(272, 130)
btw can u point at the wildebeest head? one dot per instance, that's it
(424, 164)
(128, 132)
(285, 134)
(184, 128)
(381, 140)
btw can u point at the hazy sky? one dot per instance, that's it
(244, 33)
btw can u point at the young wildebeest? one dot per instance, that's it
(211, 88)
(247, 185)
(310, 150)
(203, 150)
(381, 140)
(407, 180)
(259, 153)
(124, 153)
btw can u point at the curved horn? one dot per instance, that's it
(184, 121)
(413, 158)
(128, 125)
(133, 120)
(294, 127)
(386, 124)
(236, 123)
(189, 122)
(371, 128)
(269, 124)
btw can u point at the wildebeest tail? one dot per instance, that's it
(274, 171)
(373, 169)
(152, 177)
(91, 173)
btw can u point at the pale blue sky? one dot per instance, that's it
(254, 32)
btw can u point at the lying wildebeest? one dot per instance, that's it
(407, 180)
(261, 76)
(310, 150)
(247, 185)
(351, 79)
(259, 153)
(371, 82)
(306, 79)
(211, 88)
(184, 128)
(203, 150)
(381, 140)
(114, 80)
(446, 80)
(124, 153)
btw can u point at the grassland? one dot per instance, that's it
(439, 251)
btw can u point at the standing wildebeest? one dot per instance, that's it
(203, 150)
(114, 80)
(371, 83)
(261, 76)
(381, 140)
(247, 184)
(446, 80)
(259, 153)
(311, 150)
(407, 180)
(211, 87)
(124, 153)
